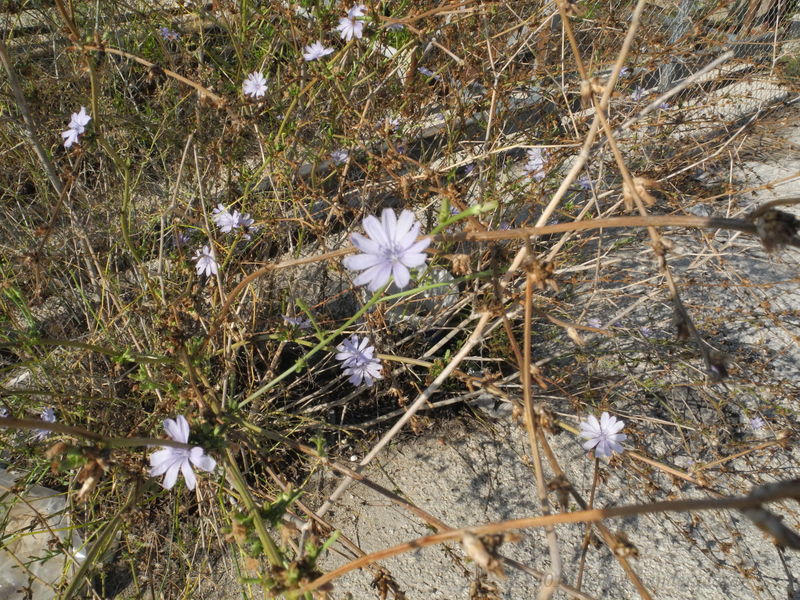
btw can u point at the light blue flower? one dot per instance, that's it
(604, 435)
(351, 26)
(315, 51)
(172, 461)
(358, 361)
(255, 85)
(206, 262)
(340, 156)
(77, 126)
(48, 415)
(168, 34)
(298, 322)
(535, 165)
(390, 250)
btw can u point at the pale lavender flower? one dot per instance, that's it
(756, 423)
(79, 120)
(390, 250)
(604, 435)
(229, 221)
(298, 322)
(171, 460)
(255, 85)
(356, 11)
(181, 238)
(535, 165)
(594, 322)
(664, 106)
(206, 262)
(638, 94)
(76, 127)
(48, 415)
(340, 156)
(315, 51)
(3, 412)
(396, 27)
(358, 360)
(392, 122)
(585, 183)
(350, 27)
(244, 222)
(355, 351)
(223, 219)
(427, 72)
(624, 72)
(168, 34)
(366, 373)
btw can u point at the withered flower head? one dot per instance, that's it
(483, 553)
(562, 487)
(777, 229)
(681, 325)
(572, 8)
(541, 272)
(155, 73)
(90, 475)
(718, 366)
(624, 547)
(543, 417)
(640, 187)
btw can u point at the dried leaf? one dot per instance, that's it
(640, 185)
(478, 552)
(575, 336)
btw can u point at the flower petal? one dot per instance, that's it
(590, 427)
(602, 448)
(160, 461)
(615, 427)
(589, 444)
(389, 224)
(188, 475)
(418, 247)
(413, 260)
(172, 476)
(375, 277)
(407, 223)
(359, 262)
(401, 275)
(172, 429)
(375, 231)
(201, 460)
(366, 245)
(183, 426)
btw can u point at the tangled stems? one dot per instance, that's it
(79, 432)
(234, 475)
(749, 505)
(745, 226)
(321, 345)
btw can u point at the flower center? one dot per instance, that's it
(392, 253)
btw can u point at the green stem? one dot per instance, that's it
(321, 345)
(237, 479)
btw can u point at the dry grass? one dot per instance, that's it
(103, 318)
